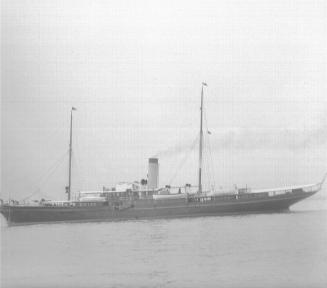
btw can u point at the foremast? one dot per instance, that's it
(201, 139)
(68, 188)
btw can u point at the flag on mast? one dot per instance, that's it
(204, 84)
(74, 109)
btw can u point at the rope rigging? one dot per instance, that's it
(208, 167)
(183, 161)
(46, 176)
(210, 163)
(79, 174)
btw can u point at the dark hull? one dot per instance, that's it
(148, 209)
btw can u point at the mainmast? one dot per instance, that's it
(201, 140)
(68, 189)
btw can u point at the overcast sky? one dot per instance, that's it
(133, 70)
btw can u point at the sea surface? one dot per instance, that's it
(261, 250)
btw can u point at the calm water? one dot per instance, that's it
(267, 250)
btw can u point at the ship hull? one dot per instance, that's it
(151, 209)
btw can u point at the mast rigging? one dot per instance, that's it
(201, 140)
(70, 155)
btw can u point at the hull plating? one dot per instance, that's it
(149, 209)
